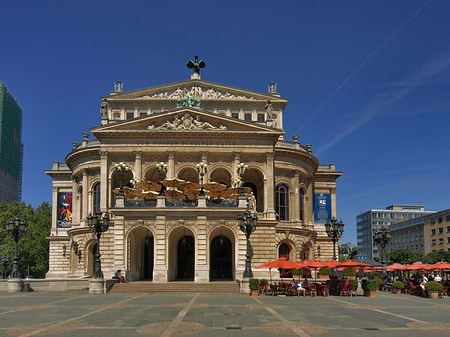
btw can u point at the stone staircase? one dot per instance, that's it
(176, 287)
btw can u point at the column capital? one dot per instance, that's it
(138, 154)
(269, 155)
(237, 155)
(204, 155)
(171, 154)
(103, 154)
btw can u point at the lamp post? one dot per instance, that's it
(202, 168)
(241, 169)
(121, 168)
(248, 224)
(334, 231)
(382, 237)
(162, 170)
(98, 225)
(16, 228)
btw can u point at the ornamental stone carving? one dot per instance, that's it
(186, 122)
(197, 92)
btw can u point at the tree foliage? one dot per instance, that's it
(33, 247)
(437, 256)
(404, 256)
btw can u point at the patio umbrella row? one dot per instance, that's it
(180, 189)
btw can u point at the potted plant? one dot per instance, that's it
(324, 273)
(370, 287)
(379, 282)
(353, 286)
(397, 287)
(433, 288)
(350, 273)
(253, 284)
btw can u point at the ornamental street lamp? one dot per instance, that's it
(382, 237)
(241, 169)
(334, 231)
(121, 168)
(16, 228)
(98, 225)
(202, 168)
(248, 224)
(162, 170)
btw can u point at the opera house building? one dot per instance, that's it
(172, 170)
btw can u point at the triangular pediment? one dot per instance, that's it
(184, 120)
(198, 89)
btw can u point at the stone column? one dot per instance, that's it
(296, 208)
(85, 194)
(171, 165)
(309, 203)
(201, 266)
(236, 161)
(333, 201)
(138, 164)
(75, 216)
(270, 185)
(205, 160)
(160, 270)
(54, 230)
(104, 186)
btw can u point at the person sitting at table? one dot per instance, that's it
(299, 289)
(305, 282)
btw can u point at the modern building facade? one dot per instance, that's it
(180, 234)
(369, 222)
(409, 235)
(437, 231)
(11, 147)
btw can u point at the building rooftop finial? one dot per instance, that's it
(118, 86)
(196, 65)
(272, 88)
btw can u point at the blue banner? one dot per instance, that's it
(322, 207)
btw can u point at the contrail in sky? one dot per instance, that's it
(362, 65)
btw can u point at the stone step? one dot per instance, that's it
(175, 287)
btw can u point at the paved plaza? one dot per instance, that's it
(76, 313)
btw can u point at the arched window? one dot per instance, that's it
(282, 201)
(302, 204)
(80, 205)
(96, 205)
(283, 250)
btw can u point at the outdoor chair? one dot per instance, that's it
(325, 290)
(345, 291)
(443, 292)
(312, 291)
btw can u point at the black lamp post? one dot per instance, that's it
(382, 237)
(248, 224)
(98, 225)
(16, 228)
(241, 169)
(121, 168)
(162, 170)
(334, 231)
(202, 168)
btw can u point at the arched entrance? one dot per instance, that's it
(140, 254)
(283, 250)
(186, 259)
(221, 259)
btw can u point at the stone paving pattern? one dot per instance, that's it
(76, 313)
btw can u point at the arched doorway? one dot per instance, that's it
(186, 259)
(140, 254)
(221, 259)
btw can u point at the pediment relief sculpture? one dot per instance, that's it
(186, 122)
(197, 92)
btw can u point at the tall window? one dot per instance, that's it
(302, 197)
(97, 198)
(282, 201)
(283, 250)
(80, 195)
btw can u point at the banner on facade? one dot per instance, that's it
(64, 219)
(322, 207)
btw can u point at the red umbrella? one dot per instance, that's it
(417, 266)
(441, 266)
(395, 267)
(282, 263)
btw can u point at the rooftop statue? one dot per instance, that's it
(196, 65)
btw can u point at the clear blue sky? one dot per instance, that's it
(368, 81)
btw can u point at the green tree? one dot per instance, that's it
(33, 247)
(404, 256)
(437, 256)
